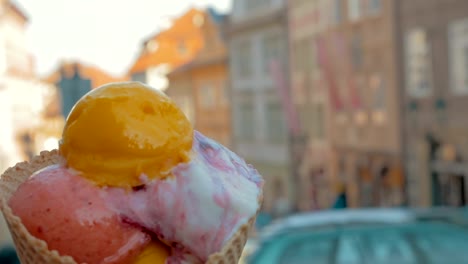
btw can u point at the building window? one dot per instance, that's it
(152, 46)
(185, 104)
(246, 121)
(337, 10)
(305, 119)
(466, 66)
(418, 63)
(361, 119)
(275, 122)
(358, 91)
(374, 6)
(18, 60)
(377, 90)
(139, 77)
(182, 48)
(378, 103)
(357, 52)
(458, 40)
(318, 126)
(253, 5)
(198, 20)
(224, 93)
(210, 40)
(311, 56)
(271, 51)
(243, 60)
(305, 56)
(354, 9)
(207, 95)
(298, 56)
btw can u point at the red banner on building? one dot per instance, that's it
(324, 61)
(345, 56)
(292, 119)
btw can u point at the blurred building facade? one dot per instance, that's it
(257, 41)
(199, 86)
(20, 94)
(435, 43)
(359, 55)
(169, 49)
(344, 76)
(307, 20)
(51, 121)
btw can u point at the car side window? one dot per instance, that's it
(348, 250)
(270, 251)
(387, 246)
(312, 249)
(438, 243)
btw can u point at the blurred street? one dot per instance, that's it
(354, 104)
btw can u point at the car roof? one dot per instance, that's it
(358, 216)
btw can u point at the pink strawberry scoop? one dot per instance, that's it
(70, 214)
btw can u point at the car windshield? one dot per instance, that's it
(428, 243)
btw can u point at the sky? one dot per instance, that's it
(105, 33)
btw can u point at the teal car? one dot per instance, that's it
(374, 236)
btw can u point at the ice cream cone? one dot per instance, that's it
(232, 251)
(32, 250)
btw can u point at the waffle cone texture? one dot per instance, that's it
(32, 250)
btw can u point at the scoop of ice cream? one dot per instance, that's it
(154, 253)
(120, 132)
(200, 208)
(70, 214)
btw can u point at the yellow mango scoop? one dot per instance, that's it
(154, 253)
(119, 131)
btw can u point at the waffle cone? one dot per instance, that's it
(232, 251)
(32, 250)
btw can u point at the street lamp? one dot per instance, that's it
(440, 109)
(413, 108)
(434, 146)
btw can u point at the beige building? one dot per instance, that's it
(307, 20)
(394, 74)
(353, 75)
(164, 51)
(366, 122)
(200, 86)
(257, 38)
(22, 96)
(435, 44)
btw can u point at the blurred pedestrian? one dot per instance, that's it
(340, 201)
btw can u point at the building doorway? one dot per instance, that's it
(365, 186)
(453, 190)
